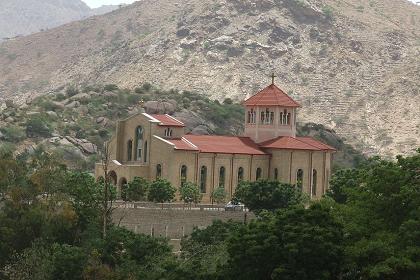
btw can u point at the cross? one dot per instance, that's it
(272, 78)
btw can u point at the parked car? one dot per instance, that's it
(231, 206)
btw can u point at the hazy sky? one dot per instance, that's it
(98, 3)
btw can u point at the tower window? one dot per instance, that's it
(168, 132)
(251, 116)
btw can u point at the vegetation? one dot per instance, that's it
(136, 190)
(219, 195)
(190, 193)
(366, 227)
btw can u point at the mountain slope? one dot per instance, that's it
(354, 66)
(22, 17)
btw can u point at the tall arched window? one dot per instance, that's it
(240, 174)
(222, 175)
(158, 171)
(129, 150)
(183, 174)
(314, 178)
(203, 178)
(139, 143)
(276, 174)
(299, 179)
(288, 118)
(145, 151)
(258, 175)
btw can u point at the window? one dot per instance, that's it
(251, 116)
(145, 151)
(158, 171)
(139, 143)
(203, 178)
(288, 118)
(276, 174)
(299, 179)
(168, 132)
(258, 174)
(284, 117)
(183, 174)
(129, 150)
(314, 177)
(240, 174)
(222, 176)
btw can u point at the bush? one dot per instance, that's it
(161, 191)
(13, 133)
(110, 87)
(37, 126)
(219, 195)
(190, 193)
(71, 91)
(137, 189)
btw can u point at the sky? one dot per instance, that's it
(98, 3)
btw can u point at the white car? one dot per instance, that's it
(230, 206)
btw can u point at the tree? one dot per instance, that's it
(293, 243)
(219, 195)
(190, 193)
(36, 126)
(267, 195)
(137, 189)
(161, 191)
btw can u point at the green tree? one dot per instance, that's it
(219, 195)
(267, 195)
(36, 126)
(161, 191)
(190, 193)
(293, 243)
(137, 189)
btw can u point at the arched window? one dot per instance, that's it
(299, 179)
(240, 174)
(288, 118)
(168, 132)
(222, 175)
(183, 174)
(145, 151)
(258, 175)
(203, 178)
(276, 174)
(139, 143)
(129, 150)
(158, 171)
(314, 178)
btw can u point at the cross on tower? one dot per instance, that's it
(272, 78)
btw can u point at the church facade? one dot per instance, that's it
(156, 146)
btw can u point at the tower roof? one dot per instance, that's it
(271, 96)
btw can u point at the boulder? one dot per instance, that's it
(159, 107)
(88, 148)
(80, 96)
(100, 120)
(73, 105)
(52, 114)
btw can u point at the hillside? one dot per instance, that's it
(76, 121)
(353, 65)
(22, 17)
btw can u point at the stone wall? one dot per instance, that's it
(173, 223)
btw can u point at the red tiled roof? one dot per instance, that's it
(166, 120)
(225, 144)
(316, 143)
(298, 143)
(183, 144)
(271, 96)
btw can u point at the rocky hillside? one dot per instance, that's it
(76, 121)
(22, 17)
(353, 64)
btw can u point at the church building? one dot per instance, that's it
(156, 146)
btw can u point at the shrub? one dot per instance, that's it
(137, 189)
(37, 126)
(110, 87)
(190, 193)
(71, 91)
(219, 195)
(13, 133)
(161, 191)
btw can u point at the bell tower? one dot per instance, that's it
(269, 114)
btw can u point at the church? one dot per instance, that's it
(156, 146)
